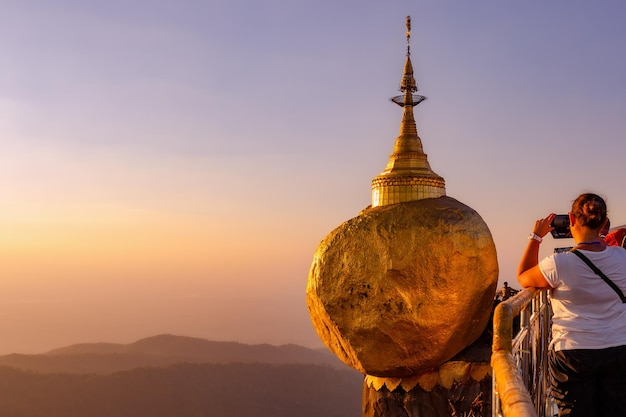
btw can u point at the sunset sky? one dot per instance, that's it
(171, 166)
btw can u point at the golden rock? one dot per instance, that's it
(402, 288)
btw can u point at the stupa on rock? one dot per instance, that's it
(407, 284)
(408, 176)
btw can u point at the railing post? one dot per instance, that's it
(514, 397)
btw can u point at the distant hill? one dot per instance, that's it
(164, 350)
(186, 390)
(177, 376)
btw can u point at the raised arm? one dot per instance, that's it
(528, 273)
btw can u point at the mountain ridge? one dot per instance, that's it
(164, 350)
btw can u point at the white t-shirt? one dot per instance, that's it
(588, 313)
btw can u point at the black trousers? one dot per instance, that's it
(589, 382)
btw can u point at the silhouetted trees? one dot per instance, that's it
(185, 390)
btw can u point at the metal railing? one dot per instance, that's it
(519, 361)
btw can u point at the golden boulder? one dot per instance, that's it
(402, 288)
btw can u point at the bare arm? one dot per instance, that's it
(528, 273)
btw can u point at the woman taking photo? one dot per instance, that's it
(587, 357)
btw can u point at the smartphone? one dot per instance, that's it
(561, 227)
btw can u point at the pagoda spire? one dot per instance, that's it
(408, 175)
